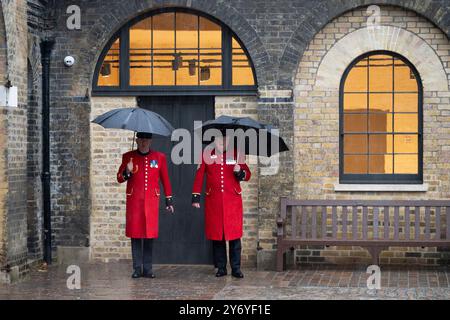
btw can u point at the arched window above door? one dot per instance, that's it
(174, 51)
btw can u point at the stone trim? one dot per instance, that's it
(390, 38)
(381, 187)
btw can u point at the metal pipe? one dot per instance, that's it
(46, 50)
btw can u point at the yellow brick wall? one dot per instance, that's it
(108, 241)
(317, 122)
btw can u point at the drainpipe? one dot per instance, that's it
(46, 50)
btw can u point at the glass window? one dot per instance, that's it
(187, 49)
(380, 73)
(356, 143)
(381, 120)
(242, 70)
(164, 58)
(355, 102)
(357, 78)
(355, 164)
(177, 49)
(141, 53)
(210, 53)
(380, 102)
(109, 74)
(380, 164)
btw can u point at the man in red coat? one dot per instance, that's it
(223, 203)
(142, 169)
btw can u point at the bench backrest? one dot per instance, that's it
(364, 220)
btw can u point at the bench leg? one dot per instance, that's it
(375, 253)
(280, 258)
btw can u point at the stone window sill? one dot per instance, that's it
(381, 187)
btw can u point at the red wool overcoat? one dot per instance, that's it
(143, 192)
(223, 200)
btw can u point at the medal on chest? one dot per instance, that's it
(154, 164)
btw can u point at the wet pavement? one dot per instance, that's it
(112, 281)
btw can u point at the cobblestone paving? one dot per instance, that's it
(112, 281)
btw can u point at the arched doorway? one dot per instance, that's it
(176, 62)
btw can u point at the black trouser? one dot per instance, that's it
(220, 254)
(142, 251)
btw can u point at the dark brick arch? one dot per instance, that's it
(115, 18)
(435, 11)
(3, 48)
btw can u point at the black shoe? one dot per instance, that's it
(237, 274)
(221, 273)
(149, 275)
(136, 274)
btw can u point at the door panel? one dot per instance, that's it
(182, 235)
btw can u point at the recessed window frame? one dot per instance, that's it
(125, 89)
(381, 178)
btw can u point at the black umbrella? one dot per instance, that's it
(135, 119)
(267, 142)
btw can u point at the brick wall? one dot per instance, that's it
(34, 146)
(3, 182)
(15, 135)
(275, 107)
(108, 241)
(317, 122)
(246, 107)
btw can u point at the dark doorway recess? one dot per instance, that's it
(181, 236)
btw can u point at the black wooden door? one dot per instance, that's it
(182, 235)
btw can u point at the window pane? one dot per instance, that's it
(187, 31)
(406, 143)
(390, 121)
(380, 122)
(109, 75)
(140, 53)
(187, 48)
(404, 78)
(355, 143)
(164, 49)
(380, 102)
(210, 53)
(380, 73)
(357, 78)
(381, 164)
(406, 102)
(355, 164)
(406, 123)
(406, 164)
(380, 143)
(242, 70)
(355, 123)
(355, 102)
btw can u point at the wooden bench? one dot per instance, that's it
(374, 225)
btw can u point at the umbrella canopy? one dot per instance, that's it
(268, 142)
(227, 122)
(135, 119)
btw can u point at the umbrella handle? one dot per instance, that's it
(134, 138)
(239, 158)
